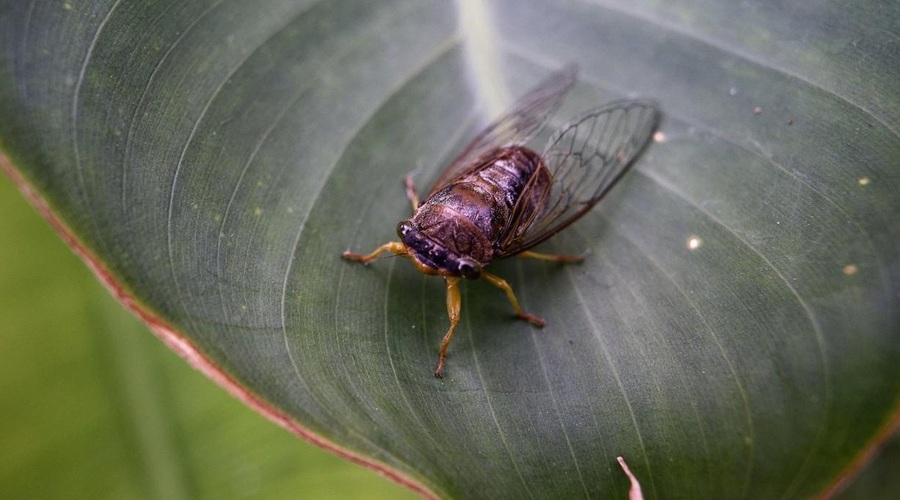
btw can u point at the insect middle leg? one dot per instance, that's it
(501, 283)
(454, 304)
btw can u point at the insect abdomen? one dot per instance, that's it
(487, 196)
(506, 179)
(508, 174)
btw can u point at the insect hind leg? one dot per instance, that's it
(565, 259)
(454, 304)
(501, 283)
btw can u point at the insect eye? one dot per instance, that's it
(403, 228)
(469, 269)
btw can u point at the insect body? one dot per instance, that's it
(458, 230)
(499, 198)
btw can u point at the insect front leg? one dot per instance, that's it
(396, 247)
(454, 304)
(411, 192)
(565, 259)
(501, 283)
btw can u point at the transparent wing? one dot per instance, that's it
(521, 123)
(585, 158)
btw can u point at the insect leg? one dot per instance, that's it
(396, 247)
(411, 192)
(454, 304)
(566, 259)
(501, 283)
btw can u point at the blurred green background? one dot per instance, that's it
(93, 406)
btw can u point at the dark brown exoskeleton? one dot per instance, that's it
(499, 198)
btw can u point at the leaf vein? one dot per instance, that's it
(129, 136)
(595, 327)
(816, 327)
(76, 100)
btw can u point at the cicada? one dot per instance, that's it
(499, 198)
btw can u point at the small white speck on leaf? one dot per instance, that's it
(694, 242)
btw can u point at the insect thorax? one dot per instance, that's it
(467, 218)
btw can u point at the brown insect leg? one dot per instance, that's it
(566, 259)
(396, 247)
(411, 192)
(503, 285)
(454, 304)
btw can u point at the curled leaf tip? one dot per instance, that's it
(635, 492)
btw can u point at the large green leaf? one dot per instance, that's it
(214, 158)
